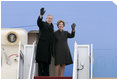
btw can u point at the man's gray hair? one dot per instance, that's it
(49, 15)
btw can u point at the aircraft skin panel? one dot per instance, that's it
(10, 38)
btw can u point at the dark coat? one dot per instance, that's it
(62, 53)
(45, 42)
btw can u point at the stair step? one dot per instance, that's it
(51, 77)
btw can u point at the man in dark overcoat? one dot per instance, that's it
(45, 43)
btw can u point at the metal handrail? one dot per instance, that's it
(31, 71)
(20, 57)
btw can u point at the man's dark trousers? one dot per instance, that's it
(43, 69)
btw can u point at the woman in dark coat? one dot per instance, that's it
(62, 53)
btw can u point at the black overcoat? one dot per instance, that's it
(61, 50)
(45, 42)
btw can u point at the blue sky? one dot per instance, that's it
(96, 23)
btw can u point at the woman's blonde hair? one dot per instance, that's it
(60, 22)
